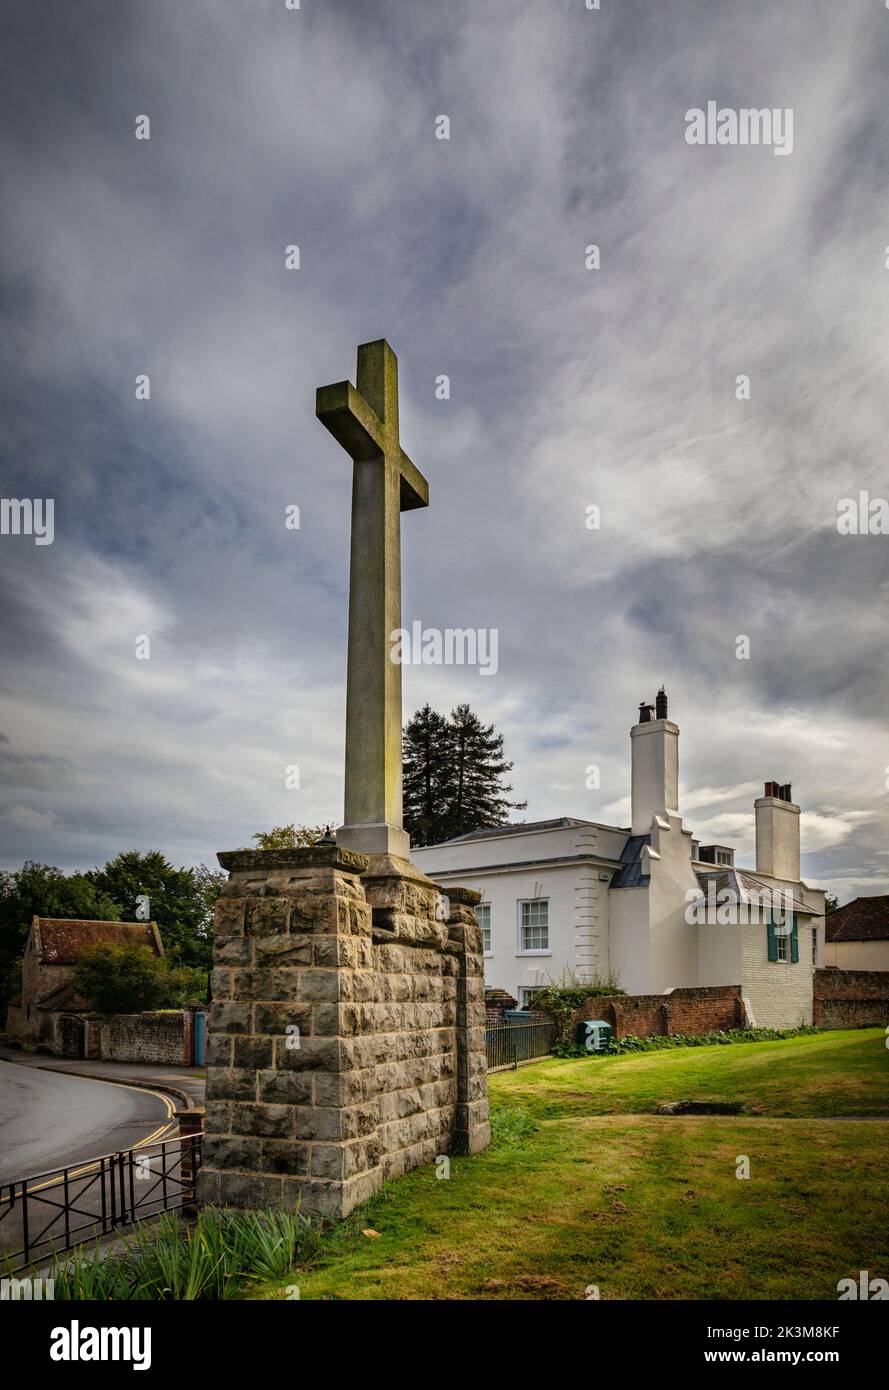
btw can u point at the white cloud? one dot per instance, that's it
(568, 387)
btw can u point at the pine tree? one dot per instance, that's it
(479, 800)
(452, 776)
(428, 776)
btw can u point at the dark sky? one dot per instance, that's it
(569, 388)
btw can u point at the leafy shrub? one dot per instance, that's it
(562, 999)
(125, 979)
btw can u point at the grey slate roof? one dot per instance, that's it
(631, 875)
(744, 887)
(520, 828)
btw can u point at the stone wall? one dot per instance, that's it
(851, 998)
(163, 1036)
(346, 1038)
(693, 1010)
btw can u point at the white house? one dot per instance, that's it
(646, 902)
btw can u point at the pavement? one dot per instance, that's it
(186, 1084)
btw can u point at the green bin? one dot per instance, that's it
(594, 1034)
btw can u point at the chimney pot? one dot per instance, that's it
(661, 704)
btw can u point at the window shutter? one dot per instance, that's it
(773, 942)
(794, 944)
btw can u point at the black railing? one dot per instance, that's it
(507, 1044)
(40, 1215)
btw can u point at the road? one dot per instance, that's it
(48, 1119)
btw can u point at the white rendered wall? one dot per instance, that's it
(719, 953)
(673, 953)
(655, 772)
(507, 967)
(777, 838)
(629, 939)
(577, 896)
(857, 955)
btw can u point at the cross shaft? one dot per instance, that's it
(385, 482)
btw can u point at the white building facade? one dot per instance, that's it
(647, 903)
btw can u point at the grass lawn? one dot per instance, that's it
(583, 1187)
(839, 1073)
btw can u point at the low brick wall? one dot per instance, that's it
(164, 1037)
(497, 1001)
(699, 1010)
(851, 998)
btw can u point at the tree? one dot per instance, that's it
(40, 890)
(126, 979)
(479, 800)
(453, 770)
(210, 883)
(181, 900)
(288, 836)
(428, 776)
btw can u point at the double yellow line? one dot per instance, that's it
(154, 1137)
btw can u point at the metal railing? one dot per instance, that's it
(40, 1215)
(507, 1044)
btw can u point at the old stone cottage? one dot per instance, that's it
(37, 1017)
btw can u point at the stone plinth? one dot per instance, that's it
(346, 1036)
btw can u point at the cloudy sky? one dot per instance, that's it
(570, 388)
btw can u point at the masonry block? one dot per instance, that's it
(346, 1038)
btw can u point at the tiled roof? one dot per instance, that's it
(64, 940)
(863, 919)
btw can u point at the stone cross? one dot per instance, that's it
(384, 484)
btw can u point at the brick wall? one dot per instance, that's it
(851, 998)
(346, 1040)
(697, 1010)
(497, 1001)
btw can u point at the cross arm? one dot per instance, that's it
(350, 420)
(414, 487)
(356, 426)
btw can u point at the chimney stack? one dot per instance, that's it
(654, 744)
(777, 833)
